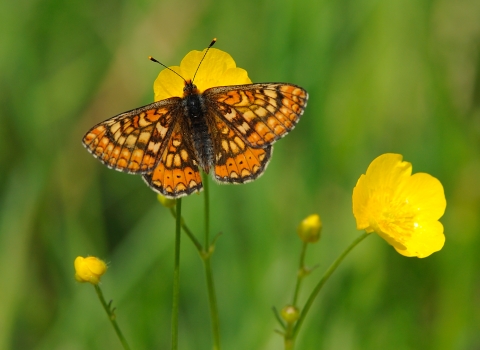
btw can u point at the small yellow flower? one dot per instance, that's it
(402, 208)
(166, 202)
(310, 228)
(217, 69)
(89, 269)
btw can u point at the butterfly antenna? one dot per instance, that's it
(154, 60)
(208, 48)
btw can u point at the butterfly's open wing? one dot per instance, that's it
(176, 174)
(260, 113)
(235, 161)
(132, 141)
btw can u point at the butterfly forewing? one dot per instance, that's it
(132, 141)
(260, 113)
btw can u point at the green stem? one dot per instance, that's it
(213, 304)
(206, 197)
(188, 232)
(279, 319)
(320, 284)
(111, 317)
(205, 255)
(176, 276)
(300, 274)
(212, 298)
(288, 341)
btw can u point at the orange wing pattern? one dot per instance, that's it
(132, 141)
(260, 113)
(176, 174)
(235, 161)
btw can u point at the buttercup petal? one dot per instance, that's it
(425, 194)
(235, 76)
(168, 84)
(388, 171)
(360, 203)
(428, 239)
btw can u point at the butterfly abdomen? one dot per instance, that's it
(196, 116)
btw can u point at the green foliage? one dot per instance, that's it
(389, 76)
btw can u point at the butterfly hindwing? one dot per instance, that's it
(176, 174)
(235, 161)
(131, 141)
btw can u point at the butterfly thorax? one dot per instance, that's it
(195, 116)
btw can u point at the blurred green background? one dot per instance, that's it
(397, 76)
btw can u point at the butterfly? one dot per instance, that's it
(228, 130)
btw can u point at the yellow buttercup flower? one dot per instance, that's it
(402, 208)
(89, 269)
(217, 69)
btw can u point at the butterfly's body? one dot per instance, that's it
(195, 122)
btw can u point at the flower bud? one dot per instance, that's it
(166, 202)
(310, 228)
(89, 269)
(290, 314)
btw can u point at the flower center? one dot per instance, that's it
(394, 219)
